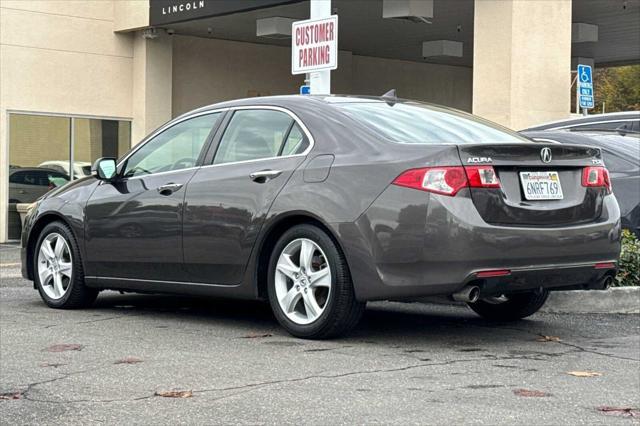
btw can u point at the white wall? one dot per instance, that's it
(206, 71)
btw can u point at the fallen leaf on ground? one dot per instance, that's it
(529, 392)
(257, 335)
(623, 411)
(584, 373)
(52, 364)
(544, 338)
(128, 360)
(11, 395)
(64, 347)
(174, 394)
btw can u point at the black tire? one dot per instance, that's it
(342, 311)
(77, 294)
(518, 306)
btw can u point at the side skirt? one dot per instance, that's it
(170, 287)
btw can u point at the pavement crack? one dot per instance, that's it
(251, 386)
(572, 345)
(92, 321)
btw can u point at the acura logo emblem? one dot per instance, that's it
(545, 155)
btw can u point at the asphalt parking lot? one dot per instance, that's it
(405, 364)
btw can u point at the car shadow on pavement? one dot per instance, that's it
(383, 321)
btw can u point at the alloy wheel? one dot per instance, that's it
(55, 265)
(303, 281)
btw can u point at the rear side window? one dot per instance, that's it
(296, 142)
(17, 177)
(255, 134)
(421, 124)
(605, 125)
(39, 178)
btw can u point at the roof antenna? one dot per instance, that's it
(390, 97)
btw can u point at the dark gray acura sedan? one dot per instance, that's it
(322, 203)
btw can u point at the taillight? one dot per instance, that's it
(596, 176)
(482, 177)
(448, 180)
(441, 180)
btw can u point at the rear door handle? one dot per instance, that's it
(169, 188)
(264, 175)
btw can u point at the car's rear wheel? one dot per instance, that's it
(58, 272)
(310, 287)
(510, 307)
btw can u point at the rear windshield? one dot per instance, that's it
(422, 124)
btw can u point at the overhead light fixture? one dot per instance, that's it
(276, 27)
(582, 33)
(411, 10)
(150, 33)
(442, 48)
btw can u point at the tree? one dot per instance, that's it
(618, 88)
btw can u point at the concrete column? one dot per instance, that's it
(522, 61)
(320, 81)
(152, 83)
(4, 172)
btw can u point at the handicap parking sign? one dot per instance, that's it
(585, 86)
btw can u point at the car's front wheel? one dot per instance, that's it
(510, 307)
(58, 271)
(310, 287)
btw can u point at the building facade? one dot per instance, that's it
(84, 79)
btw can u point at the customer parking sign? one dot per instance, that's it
(314, 45)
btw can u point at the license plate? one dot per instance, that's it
(541, 185)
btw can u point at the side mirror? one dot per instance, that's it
(104, 168)
(622, 130)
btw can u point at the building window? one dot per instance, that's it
(56, 150)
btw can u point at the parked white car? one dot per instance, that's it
(80, 168)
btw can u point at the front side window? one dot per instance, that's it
(252, 135)
(416, 123)
(176, 148)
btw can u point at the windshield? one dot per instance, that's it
(422, 124)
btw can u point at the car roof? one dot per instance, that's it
(14, 169)
(289, 101)
(594, 118)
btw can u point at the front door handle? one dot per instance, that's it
(169, 188)
(264, 175)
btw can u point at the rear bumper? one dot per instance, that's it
(410, 243)
(566, 277)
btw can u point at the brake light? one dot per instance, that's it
(441, 180)
(482, 177)
(448, 180)
(596, 176)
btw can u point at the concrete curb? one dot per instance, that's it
(616, 300)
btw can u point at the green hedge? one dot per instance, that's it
(629, 272)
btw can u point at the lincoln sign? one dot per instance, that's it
(314, 45)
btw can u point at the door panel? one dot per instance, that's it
(224, 211)
(134, 224)
(135, 231)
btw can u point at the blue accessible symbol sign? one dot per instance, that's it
(585, 86)
(305, 90)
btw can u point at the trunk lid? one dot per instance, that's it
(519, 166)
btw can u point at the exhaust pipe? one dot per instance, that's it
(607, 282)
(469, 294)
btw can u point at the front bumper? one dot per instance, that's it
(411, 244)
